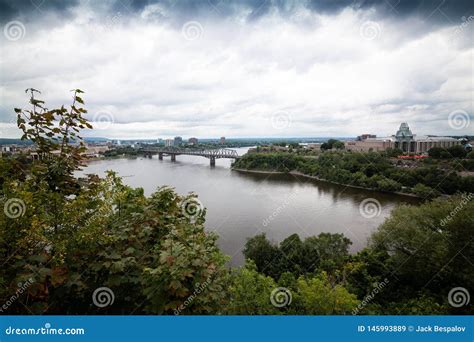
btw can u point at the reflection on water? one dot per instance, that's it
(240, 205)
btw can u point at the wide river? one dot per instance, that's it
(241, 205)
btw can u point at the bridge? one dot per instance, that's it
(211, 154)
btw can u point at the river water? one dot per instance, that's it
(241, 205)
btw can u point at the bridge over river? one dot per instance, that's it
(211, 154)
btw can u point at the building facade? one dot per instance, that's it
(404, 140)
(178, 141)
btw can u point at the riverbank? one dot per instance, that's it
(300, 174)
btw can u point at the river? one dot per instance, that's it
(241, 205)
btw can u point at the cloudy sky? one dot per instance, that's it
(257, 68)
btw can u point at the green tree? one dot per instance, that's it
(72, 236)
(429, 245)
(317, 296)
(250, 292)
(425, 191)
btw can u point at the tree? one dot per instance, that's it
(317, 296)
(424, 191)
(250, 292)
(457, 151)
(55, 130)
(71, 237)
(423, 240)
(435, 152)
(326, 252)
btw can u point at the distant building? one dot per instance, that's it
(178, 141)
(369, 144)
(192, 141)
(7, 148)
(169, 142)
(222, 141)
(95, 151)
(404, 140)
(366, 136)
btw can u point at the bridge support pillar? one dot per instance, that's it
(213, 161)
(160, 156)
(173, 157)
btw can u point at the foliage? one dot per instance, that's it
(74, 236)
(251, 294)
(332, 143)
(456, 151)
(317, 296)
(430, 245)
(55, 133)
(326, 252)
(369, 170)
(424, 191)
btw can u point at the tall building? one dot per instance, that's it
(222, 141)
(169, 142)
(178, 141)
(192, 141)
(404, 139)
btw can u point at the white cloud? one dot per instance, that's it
(330, 79)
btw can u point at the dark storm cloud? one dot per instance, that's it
(12, 9)
(436, 10)
(440, 11)
(422, 8)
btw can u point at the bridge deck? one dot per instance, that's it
(210, 153)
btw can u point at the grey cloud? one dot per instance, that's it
(440, 11)
(28, 9)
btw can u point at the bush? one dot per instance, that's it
(424, 191)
